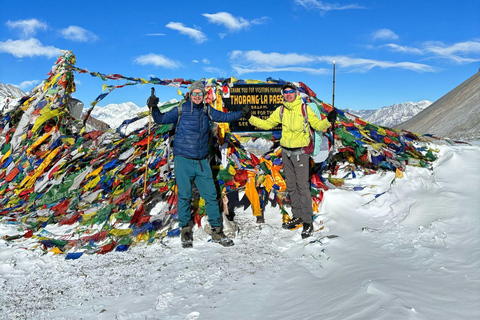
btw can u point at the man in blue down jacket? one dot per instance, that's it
(190, 150)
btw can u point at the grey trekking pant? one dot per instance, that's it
(297, 169)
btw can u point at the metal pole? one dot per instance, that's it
(333, 99)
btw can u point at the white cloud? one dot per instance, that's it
(232, 23)
(271, 59)
(76, 33)
(384, 34)
(269, 62)
(325, 7)
(261, 20)
(155, 34)
(273, 62)
(461, 52)
(222, 35)
(458, 59)
(363, 65)
(29, 84)
(403, 49)
(27, 27)
(28, 48)
(441, 49)
(195, 61)
(242, 70)
(216, 71)
(195, 34)
(205, 61)
(157, 60)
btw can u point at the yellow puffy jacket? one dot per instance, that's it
(293, 133)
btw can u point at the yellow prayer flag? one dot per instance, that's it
(268, 183)
(92, 184)
(68, 141)
(398, 173)
(88, 216)
(232, 170)
(39, 141)
(94, 172)
(45, 117)
(252, 195)
(120, 232)
(117, 192)
(9, 152)
(56, 251)
(278, 179)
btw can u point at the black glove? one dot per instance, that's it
(152, 102)
(332, 116)
(246, 112)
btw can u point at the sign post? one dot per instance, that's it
(262, 98)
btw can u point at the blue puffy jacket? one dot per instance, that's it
(191, 138)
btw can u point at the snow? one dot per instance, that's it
(9, 97)
(115, 114)
(411, 253)
(8, 91)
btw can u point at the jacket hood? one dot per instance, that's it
(295, 103)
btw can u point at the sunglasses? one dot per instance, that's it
(289, 91)
(197, 94)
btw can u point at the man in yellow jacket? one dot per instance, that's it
(296, 162)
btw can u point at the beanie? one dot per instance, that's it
(198, 85)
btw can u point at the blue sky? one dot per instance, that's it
(386, 51)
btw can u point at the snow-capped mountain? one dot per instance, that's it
(391, 115)
(115, 114)
(10, 91)
(364, 114)
(9, 95)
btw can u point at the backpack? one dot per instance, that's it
(179, 110)
(311, 147)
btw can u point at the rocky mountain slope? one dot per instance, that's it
(455, 115)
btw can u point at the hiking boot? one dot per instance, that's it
(307, 230)
(219, 237)
(186, 236)
(260, 219)
(293, 224)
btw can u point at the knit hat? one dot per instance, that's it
(289, 85)
(198, 85)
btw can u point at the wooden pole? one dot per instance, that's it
(148, 147)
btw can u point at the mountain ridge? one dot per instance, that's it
(390, 116)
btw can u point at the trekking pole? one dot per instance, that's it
(152, 95)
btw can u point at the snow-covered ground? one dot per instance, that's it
(413, 253)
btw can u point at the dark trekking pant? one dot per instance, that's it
(198, 171)
(297, 169)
